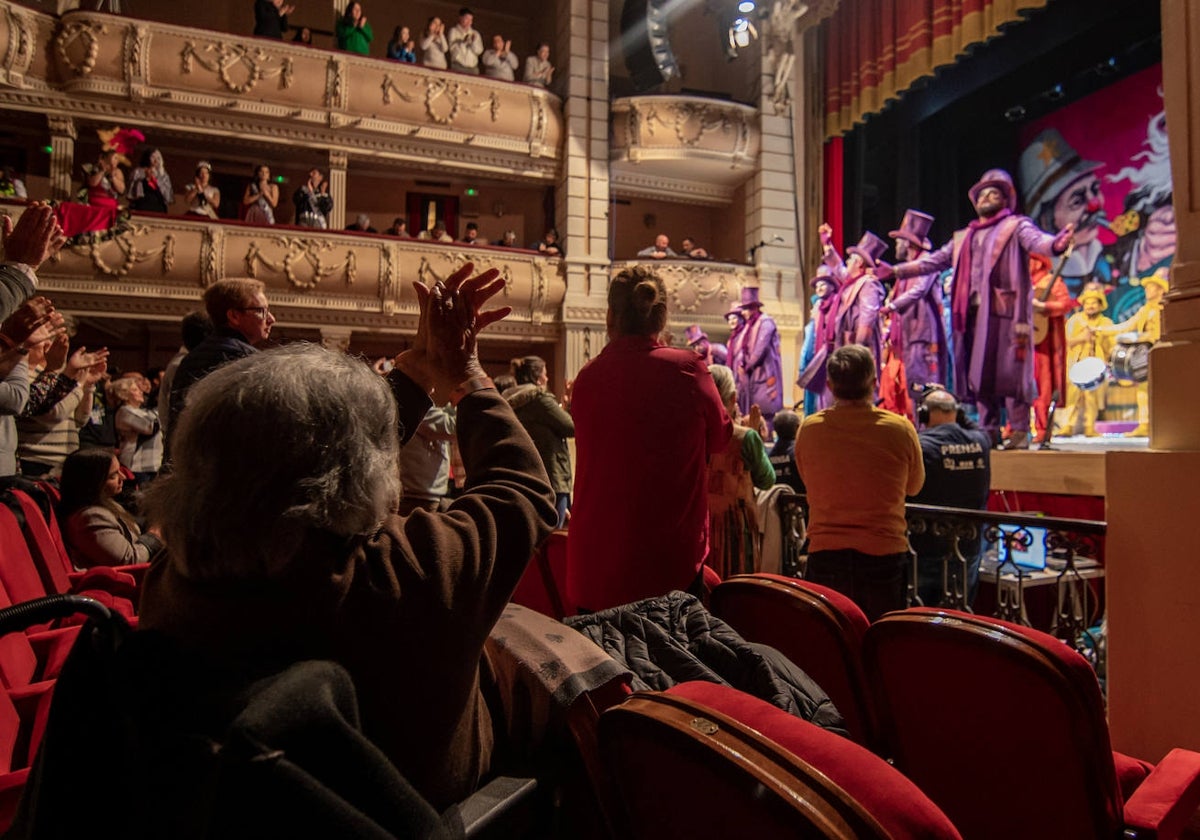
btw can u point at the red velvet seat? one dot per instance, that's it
(26, 659)
(23, 715)
(1003, 727)
(543, 586)
(819, 629)
(703, 760)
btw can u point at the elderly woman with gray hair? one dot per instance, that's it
(733, 474)
(285, 548)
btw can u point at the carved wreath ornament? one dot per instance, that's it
(444, 99)
(237, 61)
(427, 275)
(691, 121)
(131, 255)
(689, 287)
(301, 252)
(88, 35)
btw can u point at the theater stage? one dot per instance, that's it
(1073, 466)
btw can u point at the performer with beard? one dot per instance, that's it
(992, 302)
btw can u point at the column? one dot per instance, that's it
(337, 189)
(1153, 584)
(62, 156)
(336, 338)
(581, 194)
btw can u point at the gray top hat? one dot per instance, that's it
(915, 228)
(1048, 165)
(870, 248)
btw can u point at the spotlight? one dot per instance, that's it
(1056, 93)
(1015, 114)
(746, 6)
(1108, 68)
(741, 33)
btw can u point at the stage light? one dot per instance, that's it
(1015, 114)
(741, 33)
(746, 6)
(1056, 93)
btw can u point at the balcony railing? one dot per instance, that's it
(1073, 549)
(698, 291)
(159, 265)
(145, 72)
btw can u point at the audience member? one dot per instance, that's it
(858, 463)
(138, 431)
(466, 44)
(538, 69)
(639, 524)
(470, 234)
(691, 250)
(270, 18)
(425, 462)
(352, 30)
(10, 185)
(362, 224)
(303, 36)
(313, 202)
(60, 404)
(499, 62)
(399, 228)
(660, 250)
(241, 319)
(261, 197)
(504, 381)
(549, 244)
(402, 47)
(150, 185)
(783, 453)
(202, 197)
(547, 422)
(284, 547)
(194, 328)
(733, 473)
(96, 529)
(957, 474)
(436, 234)
(509, 239)
(433, 44)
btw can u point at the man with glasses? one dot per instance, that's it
(241, 319)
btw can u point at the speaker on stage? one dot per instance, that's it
(646, 43)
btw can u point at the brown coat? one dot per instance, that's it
(406, 611)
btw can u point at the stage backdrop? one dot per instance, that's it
(1102, 162)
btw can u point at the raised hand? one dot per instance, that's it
(93, 374)
(34, 238)
(825, 232)
(56, 356)
(82, 360)
(883, 270)
(1064, 239)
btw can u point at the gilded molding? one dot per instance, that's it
(444, 98)
(130, 255)
(87, 34)
(304, 253)
(239, 67)
(18, 56)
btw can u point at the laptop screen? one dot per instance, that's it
(1033, 557)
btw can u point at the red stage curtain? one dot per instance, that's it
(876, 49)
(834, 170)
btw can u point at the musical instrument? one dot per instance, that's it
(1088, 374)
(1130, 360)
(1041, 321)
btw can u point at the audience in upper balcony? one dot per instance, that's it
(313, 202)
(471, 234)
(538, 69)
(202, 197)
(150, 184)
(509, 239)
(549, 244)
(303, 36)
(362, 224)
(436, 234)
(62, 386)
(270, 18)
(103, 187)
(499, 62)
(10, 185)
(466, 44)
(402, 47)
(97, 530)
(399, 228)
(660, 250)
(352, 30)
(691, 250)
(260, 197)
(433, 44)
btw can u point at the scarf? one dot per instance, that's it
(962, 272)
(829, 308)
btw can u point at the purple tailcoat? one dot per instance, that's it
(999, 276)
(858, 317)
(762, 365)
(734, 362)
(918, 305)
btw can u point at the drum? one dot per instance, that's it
(1130, 361)
(1088, 374)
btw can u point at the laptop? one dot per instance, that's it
(1031, 558)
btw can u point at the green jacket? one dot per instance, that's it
(549, 426)
(355, 39)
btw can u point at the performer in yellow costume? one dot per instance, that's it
(1147, 323)
(1084, 341)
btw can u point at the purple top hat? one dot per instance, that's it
(870, 248)
(1048, 166)
(999, 179)
(750, 297)
(694, 334)
(915, 228)
(824, 272)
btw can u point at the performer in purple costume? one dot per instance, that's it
(761, 365)
(917, 333)
(992, 302)
(697, 339)
(862, 294)
(824, 322)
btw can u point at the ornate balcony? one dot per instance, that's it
(157, 266)
(139, 72)
(693, 148)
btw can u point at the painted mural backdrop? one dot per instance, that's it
(1102, 163)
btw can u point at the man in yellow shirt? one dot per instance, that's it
(1083, 342)
(1147, 323)
(858, 463)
